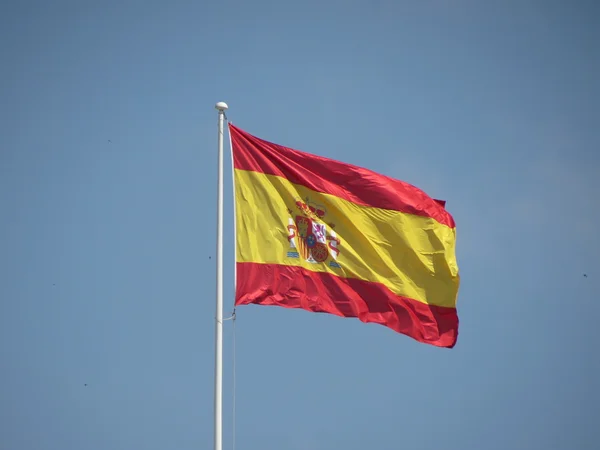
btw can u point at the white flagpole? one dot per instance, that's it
(221, 107)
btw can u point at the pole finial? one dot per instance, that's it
(221, 106)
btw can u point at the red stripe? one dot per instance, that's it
(356, 184)
(295, 287)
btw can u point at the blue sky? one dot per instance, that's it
(108, 194)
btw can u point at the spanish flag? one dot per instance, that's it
(325, 236)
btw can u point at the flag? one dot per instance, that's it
(326, 236)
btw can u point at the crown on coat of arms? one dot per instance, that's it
(311, 210)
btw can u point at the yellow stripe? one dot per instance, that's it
(413, 256)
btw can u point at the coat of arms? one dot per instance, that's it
(310, 237)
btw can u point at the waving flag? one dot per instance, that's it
(325, 236)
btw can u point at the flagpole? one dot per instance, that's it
(221, 107)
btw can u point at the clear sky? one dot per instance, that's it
(108, 220)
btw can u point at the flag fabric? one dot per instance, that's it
(325, 236)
